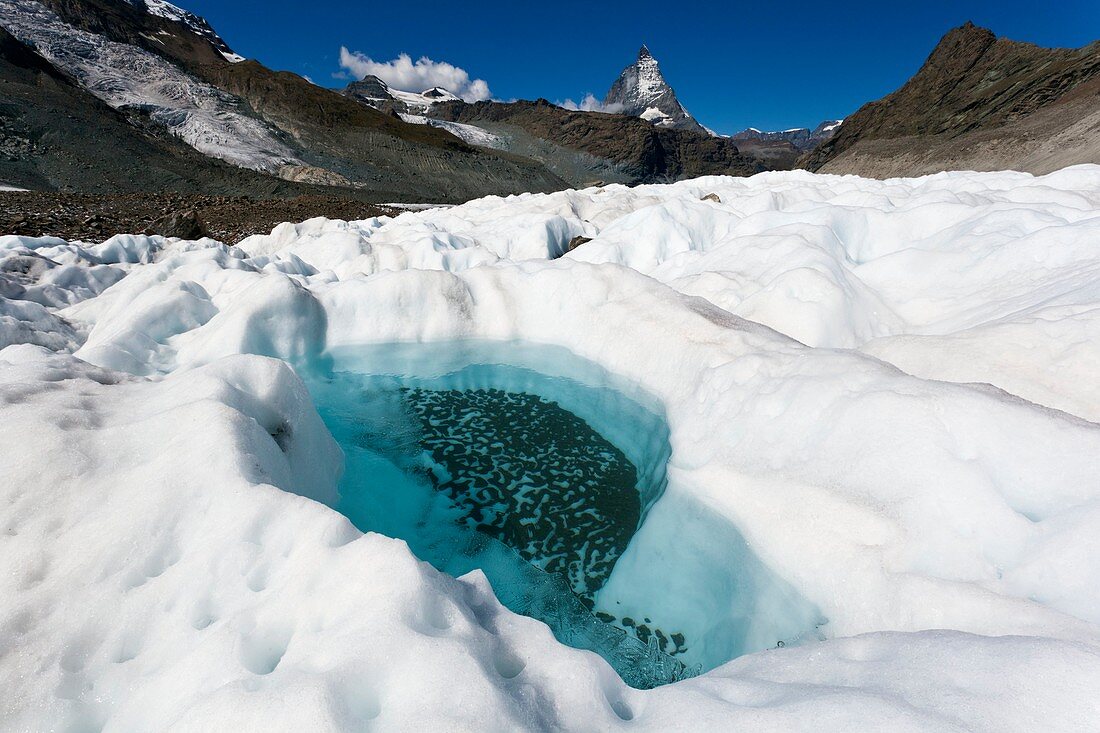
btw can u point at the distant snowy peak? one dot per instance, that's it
(412, 108)
(439, 94)
(802, 138)
(369, 89)
(192, 22)
(376, 93)
(641, 91)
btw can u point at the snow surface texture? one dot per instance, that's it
(122, 75)
(164, 566)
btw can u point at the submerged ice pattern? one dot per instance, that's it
(534, 476)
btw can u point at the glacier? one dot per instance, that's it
(471, 134)
(881, 402)
(124, 76)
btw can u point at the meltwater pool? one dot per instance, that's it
(526, 462)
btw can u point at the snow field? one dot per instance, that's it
(883, 389)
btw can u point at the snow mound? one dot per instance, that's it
(884, 391)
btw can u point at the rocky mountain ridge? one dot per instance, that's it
(979, 102)
(374, 92)
(641, 91)
(621, 144)
(590, 147)
(158, 68)
(802, 138)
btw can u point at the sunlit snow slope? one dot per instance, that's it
(885, 390)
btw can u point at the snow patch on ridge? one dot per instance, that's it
(194, 23)
(471, 134)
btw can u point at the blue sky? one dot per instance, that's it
(771, 65)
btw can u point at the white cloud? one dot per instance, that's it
(405, 75)
(591, 104)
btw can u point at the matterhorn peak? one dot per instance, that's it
(641, 91)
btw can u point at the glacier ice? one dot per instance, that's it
(471, 134)
(882, 392)
(123, 75)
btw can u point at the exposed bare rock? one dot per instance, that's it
(981, 103)
(641, 91)
(629, 149)
(94, 218)
(312, 174)
(315, 127)
(182, 224)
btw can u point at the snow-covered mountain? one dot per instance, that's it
(125, 76)
(378, 94)
(415, 108)
(641, 91)
(196, 24)
(802, 138)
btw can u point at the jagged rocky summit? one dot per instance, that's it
(641, 91)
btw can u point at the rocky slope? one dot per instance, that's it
(641, 91)
(376, 149)
(585, 147)
(979, 102)
(55, 135)
(96, 217)
(167, 67)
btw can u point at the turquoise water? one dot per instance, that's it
(523, 461)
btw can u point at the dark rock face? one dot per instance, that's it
(978, 102)
(372, 150)
(375, 93)
(641, 91)
(376, 149)
(194, 23)
(577, 242)
(54, 135)
(192, 45)
(370, 89)
(181, 224)
(647, 153)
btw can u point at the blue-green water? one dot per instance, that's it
(522, 461)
